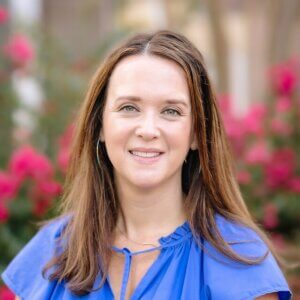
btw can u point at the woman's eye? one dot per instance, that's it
(128, 108)
(172, 112)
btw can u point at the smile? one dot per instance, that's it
(146, 157)
(145, 154)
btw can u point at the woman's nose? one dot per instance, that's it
(147, 127)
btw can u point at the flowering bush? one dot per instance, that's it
(19, 50)
(27, 191)
(265, 144)
(6, 294)
(28, 186)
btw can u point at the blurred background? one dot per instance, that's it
(50, 49)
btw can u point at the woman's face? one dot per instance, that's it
(147, 121)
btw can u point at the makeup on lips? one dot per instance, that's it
(146, 156)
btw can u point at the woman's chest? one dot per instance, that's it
(126, 273)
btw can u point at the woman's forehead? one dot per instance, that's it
(139, 75)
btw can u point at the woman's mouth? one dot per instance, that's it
(145, 157)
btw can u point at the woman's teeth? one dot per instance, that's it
(145, 154)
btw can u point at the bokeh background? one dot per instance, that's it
(50, 48)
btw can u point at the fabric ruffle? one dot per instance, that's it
(180, 234)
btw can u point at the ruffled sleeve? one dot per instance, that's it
(24, 274)
(227, 279)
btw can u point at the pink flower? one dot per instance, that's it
(294, 184)
(258, 154)
(225, 104)
(253, 121)
(8, 186)
(63, 159)
(233, 125)
(4, 213)
(65, 141)
(233, 128)
(284, 78)
(280, 168)
(49, 188)
(6, 293)
(280, 127)
(283, 104)
(41, 206)
(42, 195)
(19, 50)
(244, 177)
(270, 216)
(3, 15)
(27, 162)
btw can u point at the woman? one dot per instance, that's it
(152, 209)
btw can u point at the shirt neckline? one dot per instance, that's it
(181, 233)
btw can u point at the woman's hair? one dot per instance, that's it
(90, 195)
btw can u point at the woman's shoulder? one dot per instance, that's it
(24, 272)
(234, 230)
(54, 227)
(230, 279)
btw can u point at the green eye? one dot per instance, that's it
(172, 112)
(128, 108)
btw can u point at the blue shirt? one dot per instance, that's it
(181, 271)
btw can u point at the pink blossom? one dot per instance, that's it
(233, 125)
(283, 104)
(270, 216)
(63, 159)
(280, 168)
(65, 141)
(225, 104)
(19, 50)
(258, 154)
(4, 213)
(233, 128)
(49, 188)
(253, 121)
(27, 162)
(41, 206)
(280, 127)
(284, 78)
(8, 186)
(6, 293)
(3, 15)
(42, 194)
(244, 177)
(294, 184)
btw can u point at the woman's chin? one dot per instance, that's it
(146, 182)
(146, 185)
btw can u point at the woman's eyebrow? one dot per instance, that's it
(138, 99)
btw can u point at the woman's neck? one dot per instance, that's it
(146, 214)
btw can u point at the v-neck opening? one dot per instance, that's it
(140, 284)
(143, 280)
(180, 234)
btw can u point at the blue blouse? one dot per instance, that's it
(181, 271)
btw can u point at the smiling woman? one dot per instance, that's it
(152, 209)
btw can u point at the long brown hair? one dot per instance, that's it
(90, 195)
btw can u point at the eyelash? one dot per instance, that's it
(125, 107)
